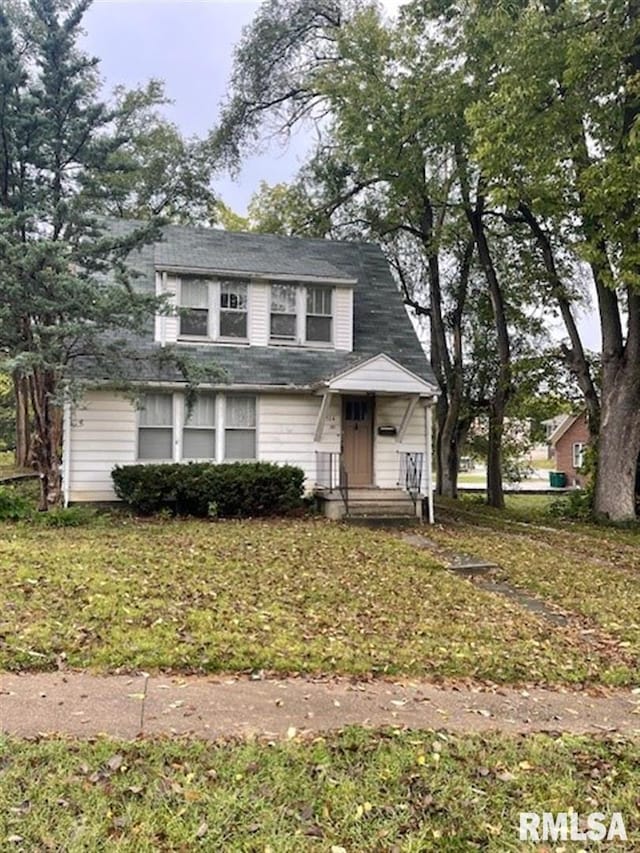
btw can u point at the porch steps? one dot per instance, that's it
(376, 505)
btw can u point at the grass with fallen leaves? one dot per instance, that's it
(353, 791)
(289, 596)
(591, 571)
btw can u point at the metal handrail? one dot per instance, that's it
(332, 474)
(343, 484)
(410, 474)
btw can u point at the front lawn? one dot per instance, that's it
(354, 791)
(593, 572)
(297, 596)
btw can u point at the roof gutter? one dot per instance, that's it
(253, 274)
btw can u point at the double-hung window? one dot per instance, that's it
(233, 309)
(155, 432)
(240, 427)
(301, 314)
(578, 454)
(194, 308)
(319, 315)
(213, 309)
(199, 432)
(284, 312)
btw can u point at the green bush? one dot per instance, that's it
(234, 490)
(71, 516)
(13, 505)
(577, 505)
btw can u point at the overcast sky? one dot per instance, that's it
(189, 44)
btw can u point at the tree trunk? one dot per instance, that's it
(47, 439)
(618, 450)
(23, 456)
(495, 493)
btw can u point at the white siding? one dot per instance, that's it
(381, 374)
(390, 411)
(286, 427)
(343, 320)
(171, 320)
(259, 314)
(103, 434)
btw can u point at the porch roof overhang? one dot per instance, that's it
(379, 374)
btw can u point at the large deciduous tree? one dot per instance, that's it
(558, 133)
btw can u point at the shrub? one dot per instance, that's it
(577, 505)
(13, 505)
(71, 516)
(233, 490)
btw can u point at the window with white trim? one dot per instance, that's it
(319, 314)
(233, 309)
(578, 454)
(155, 430)
(284, 312)
(194, 316)
(213, 309)
(199, 431)
(240, 427)
(301, 314)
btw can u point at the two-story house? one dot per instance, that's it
(321, 369)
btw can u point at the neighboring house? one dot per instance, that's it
(550, 426)
(569, 440)
(323, 370)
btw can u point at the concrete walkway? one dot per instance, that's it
(210, 707)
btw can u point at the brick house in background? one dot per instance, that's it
(568, 441)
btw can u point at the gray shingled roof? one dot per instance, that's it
(381, 323)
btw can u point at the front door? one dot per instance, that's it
(357, 439)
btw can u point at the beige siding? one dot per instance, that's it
(103, 434)
(390, 412)
(286, 427)
(343, 322)
(259, 314)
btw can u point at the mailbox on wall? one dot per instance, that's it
(387, 430)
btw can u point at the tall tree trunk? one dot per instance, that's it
(495, 492)
(619, 447)
(47, 439)
(23, 456)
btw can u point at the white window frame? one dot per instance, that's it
(179, 422)
(577, 454)
(253, 458)
(214, 291)
(301, 317)
(185, 425)
(139, 425)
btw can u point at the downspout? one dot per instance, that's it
(66, 453)
(428, 429)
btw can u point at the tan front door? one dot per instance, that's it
(357, 439)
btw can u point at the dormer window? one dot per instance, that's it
(319, 314)
(301, 314)
(213, 310)
(284, 312)
(194, 304)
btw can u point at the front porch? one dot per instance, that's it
(338, 500)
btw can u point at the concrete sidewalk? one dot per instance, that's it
(84, 705)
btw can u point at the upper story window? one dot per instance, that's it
(284, 312)
(301, 314)
(195, 308)
(319, 314)
(213, 309)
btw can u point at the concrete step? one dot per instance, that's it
(381, 508)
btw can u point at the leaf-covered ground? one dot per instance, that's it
(298, 596)
(354, 791)
(593, 572)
